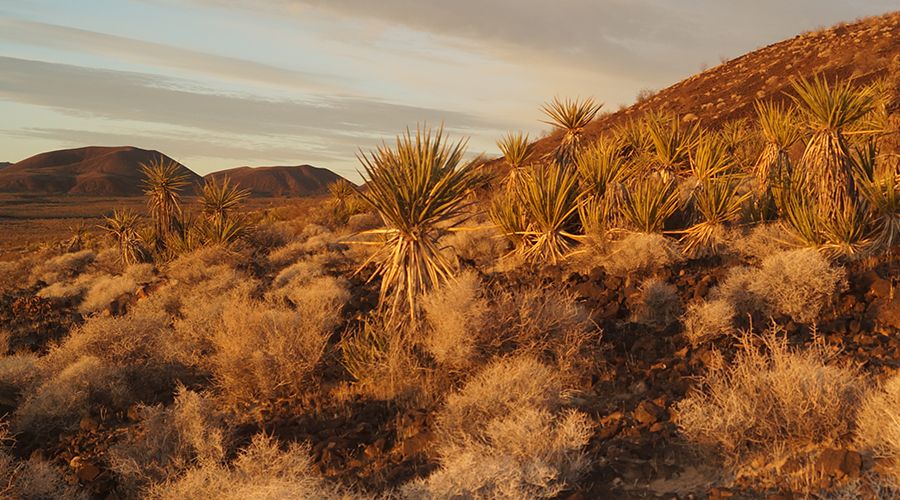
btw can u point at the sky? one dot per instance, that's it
(218, 84)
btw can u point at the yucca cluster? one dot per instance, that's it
(658, 174)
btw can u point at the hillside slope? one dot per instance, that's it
(301, 180)
(105, 171)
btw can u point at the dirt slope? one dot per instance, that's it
(101, 171)
(301, 180)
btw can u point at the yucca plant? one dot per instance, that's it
(846, 233)
(829, 110)
(649, 202)
(420, 188)
(516, 150)
(799, 206)
(164, 181)
(549, 196)
(710, 158)
(220, 230)
(601, 171)
(782, 129)
(571, 116)
(218, 199)
(633, 137)
(344, 201)
(123, 228)
(719, 201)
(508, 214)
(880, 186)
(672, 144)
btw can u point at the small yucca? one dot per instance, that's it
(516, 150)
(718, 200)
(781, 128)
(164, 182)
(672, 144)
(218, 199)
(571, 116)
(123, 228)
(649, 202)
(710, 158)
(601, 170)
(550, 199)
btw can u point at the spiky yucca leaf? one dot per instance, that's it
(164, 182)
(733, 134)
(601, 165)
(633, 137)
(515, 148)
(672, 144)
(221, 231)
(218, 199)
(846, 233)
(781, 128)
(341, 190)
(881, 188)
(419, 188)
(571, 116)
(800, 210)
(600, 213)
(649, 202)
(550, 199)
(508, 214)
(710, 158)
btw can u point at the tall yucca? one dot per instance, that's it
(571, 116)
(549, 196)
(218, 199)
(516, 150)
(781, 128)
(601, 168)
(419, 188)
(123, 228)
(164, 181)
(829, 110)
(672, 143)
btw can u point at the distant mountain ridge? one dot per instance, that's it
(91, 171)
(116, 171)
(300, 180)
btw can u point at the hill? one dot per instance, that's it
(301, 180)
(4, 164)
(104, 171)
(863, 51)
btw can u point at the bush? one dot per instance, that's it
(456, 313)
(878, 424)
(770, 401)
(640, 254)
(797, 283)
(62, 267)
(659, 303)
(708, 321)
(507, 435)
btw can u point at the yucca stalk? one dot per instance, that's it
(828, 111)
(710, 158)
(649, 202)
(164, 181)
(122, 227)
(218, 199)
(672, 144)
(549, 196)
(420, 189)
(601, 213)
(782, 130)
(719, 202)
(571, 116)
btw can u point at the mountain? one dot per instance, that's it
(4, 164)
(98, 171)
(863, 51)
(301, 180)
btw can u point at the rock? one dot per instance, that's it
(84, 470)
(887, 312)
(839, 463)
(882, 288)
(648, 413)
(89, 424)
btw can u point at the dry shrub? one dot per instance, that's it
(62, 267)
(659, 304)
(61, 402)
(104, 290)
(262, 470)
(878, 424)
(640, 254)
(380, 355)
(869, 487)
(760, 242)
(301, 272)
(770, 400)
(20, 375)
(456, 313)
(364, 222)
(313, 240)
(170, 441)
(540, 322)
(481, 244)
(797, 283)
(202, 265)
(68, 289)
(507, 435)
(33, 479)
(708, 321)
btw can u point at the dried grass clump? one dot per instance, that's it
(705, 321)
(301, 272)
(64, 399)
(202, 265)
(104, 290)
(262, 470)
(171, 440)
(878, 424)
(480, 244)
(762, 241)
(797, 283)
(62, 267)
(770, 400)
(313, 240)
(20, 374)
(507, 435)
(659, 303)
(641, 253)
(456, 313)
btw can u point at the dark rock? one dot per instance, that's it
(882, 288)
(648, 413)
(839, 463)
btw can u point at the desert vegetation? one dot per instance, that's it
(667, 307)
